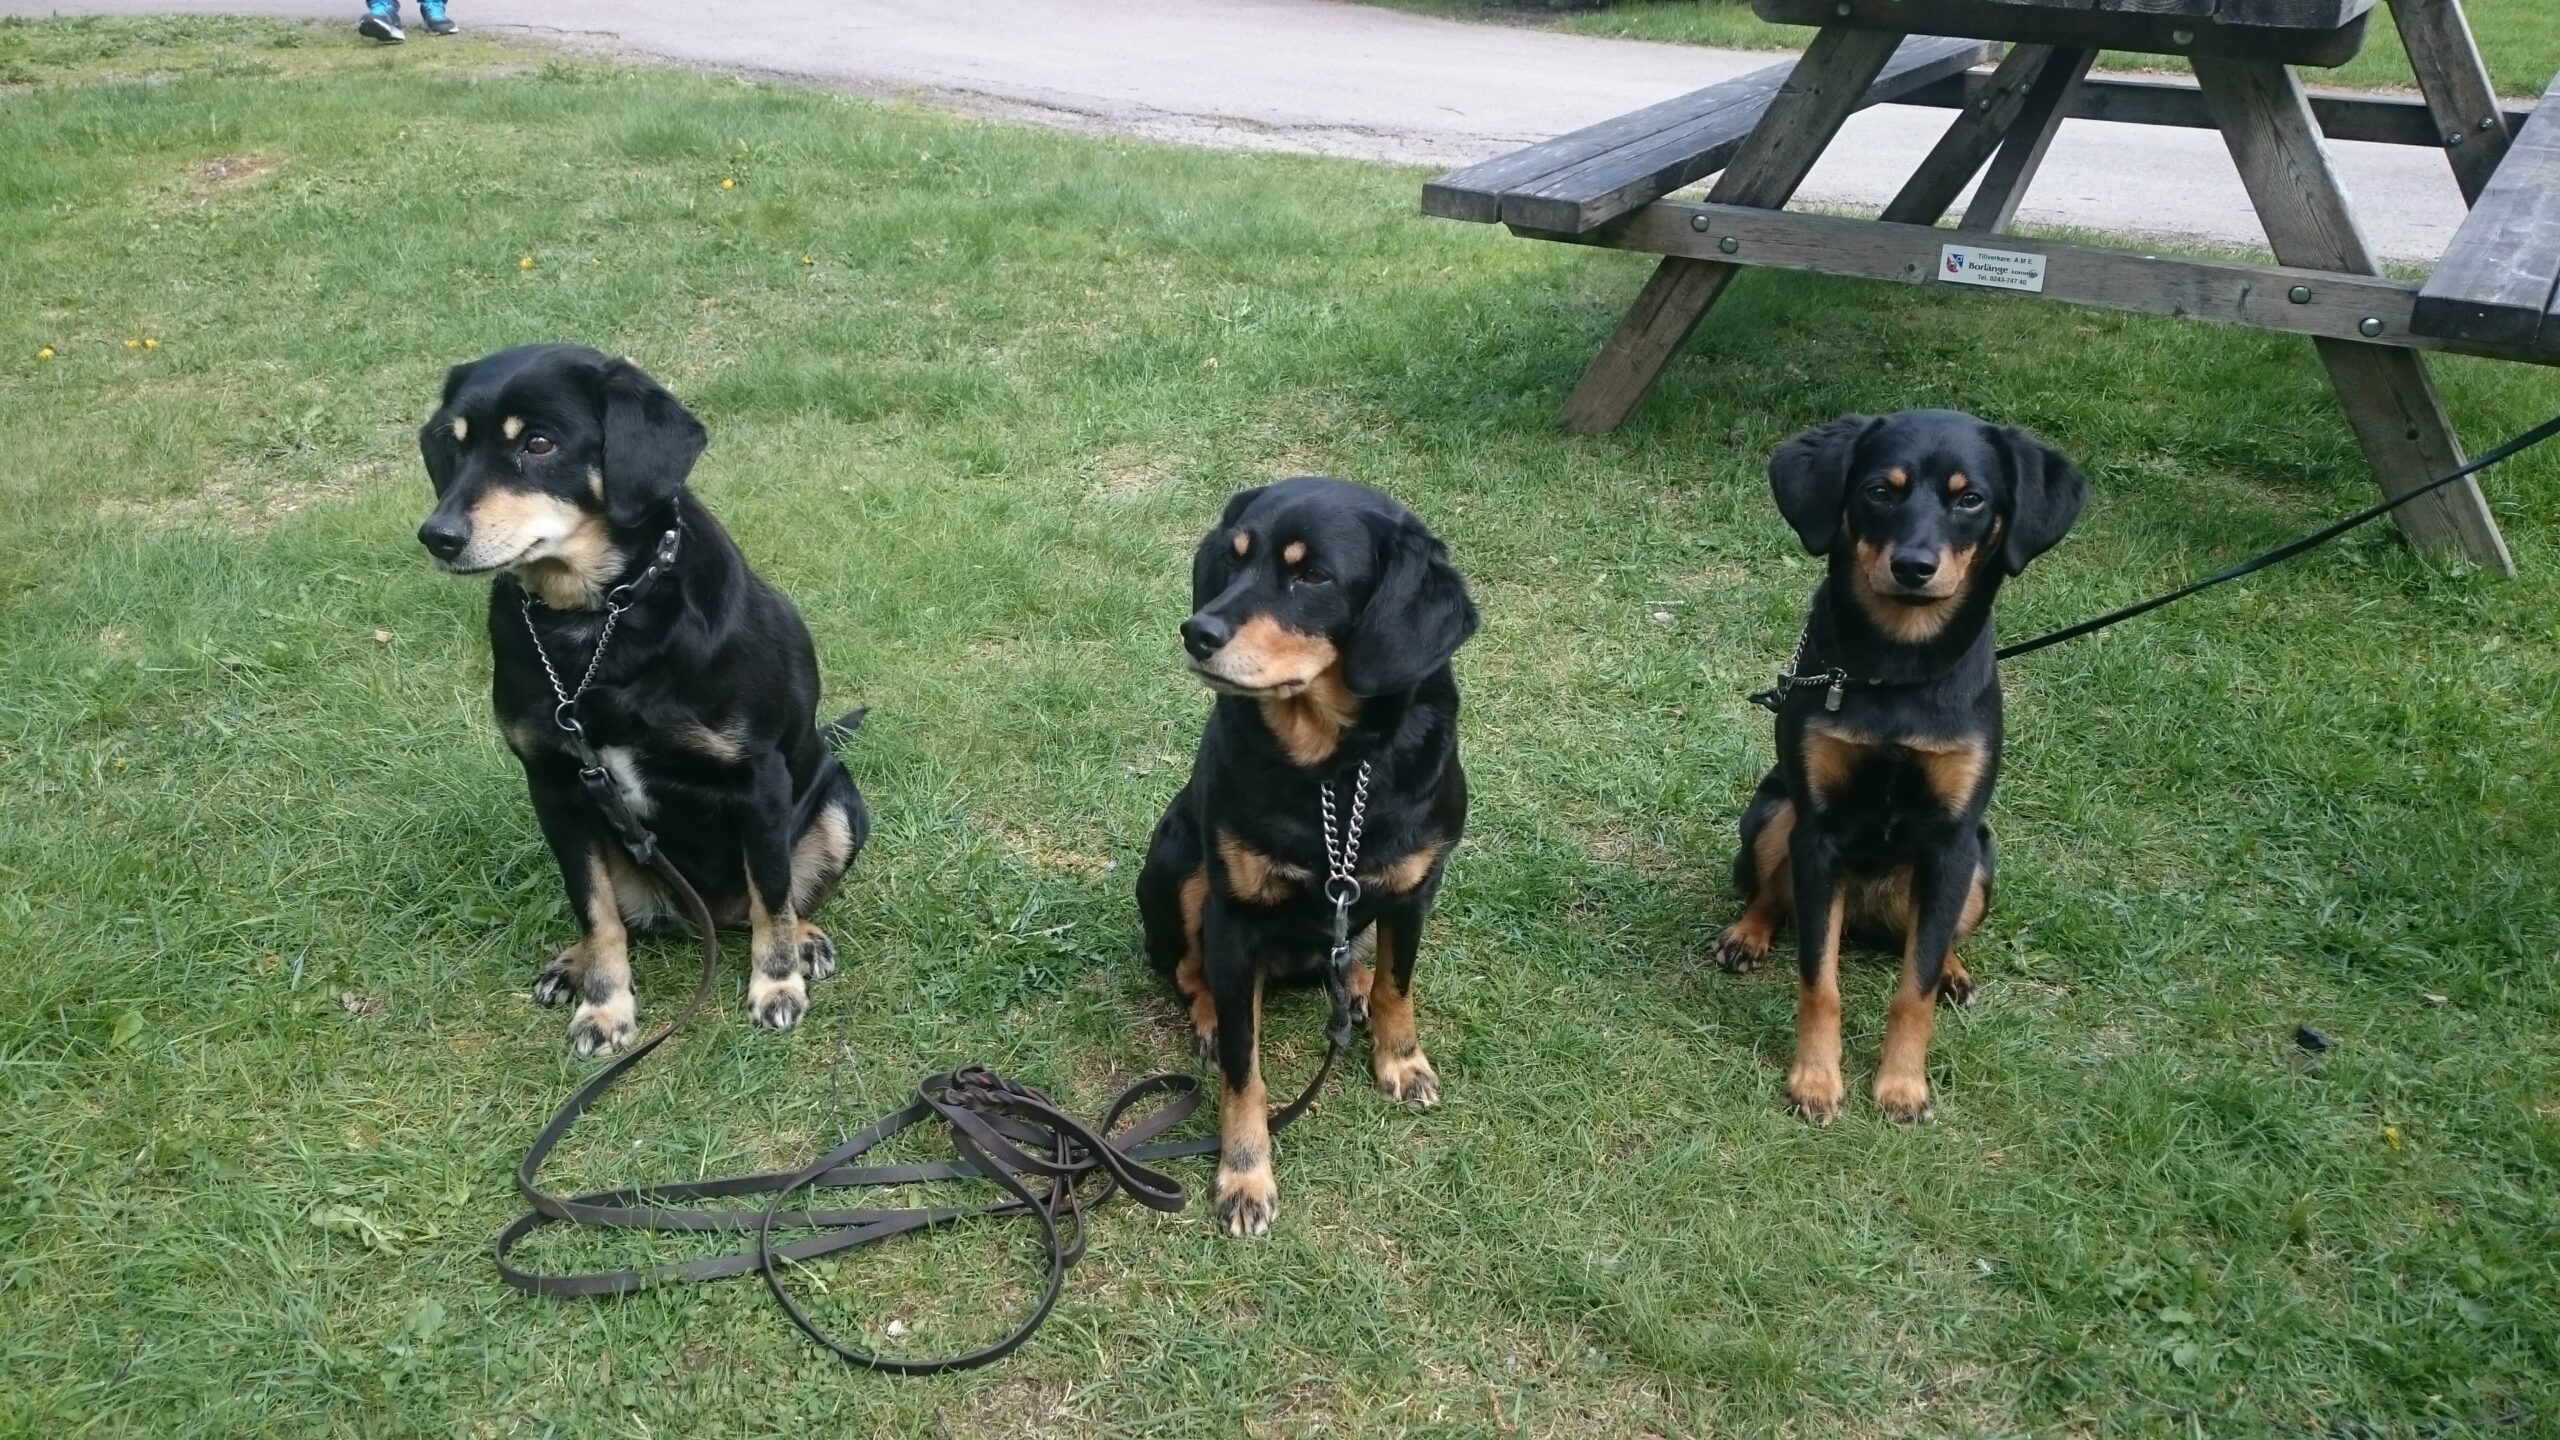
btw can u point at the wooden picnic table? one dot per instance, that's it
(2495, 292)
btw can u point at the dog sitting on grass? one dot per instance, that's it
(1871, 823)
(1324, 616)
(619, 604)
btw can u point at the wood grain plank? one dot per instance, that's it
(2468, 122)
(2308, 33)
(2497, 279)
(1585, 179)
(1799, 125)
(2022, 151)
(2343, 114)
(1959, 154)
(2228, 292)
(2389, 399)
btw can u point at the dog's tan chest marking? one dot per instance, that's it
(1405, 875)
(1256, 878)
(1951, 767)
(1309, 724)
(724, 743)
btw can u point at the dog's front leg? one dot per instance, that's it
(1943, 888)
(777, 990)
(1814, 1087)
(1247, 1196)
(596, 971)
(1404, 1073)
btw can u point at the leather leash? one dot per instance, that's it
(1053, 1168)
(1835, 681)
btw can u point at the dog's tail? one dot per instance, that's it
(840, 729)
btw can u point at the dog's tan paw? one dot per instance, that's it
(1204, 1045)
(1741, 949)
(600, 1027)
(1816, 1093)
(1905, 1098)
(817, 952)
(1408, 1079)
(1956, 985)
(777, 1004)
(556, 982)
(1248, 1194)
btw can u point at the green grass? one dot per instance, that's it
(2519, 39)
(270, 893)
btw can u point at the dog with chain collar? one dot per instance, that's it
(643, 674)
(1324, 799)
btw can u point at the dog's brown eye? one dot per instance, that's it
(1968, 500)
(538, 445)
(1314, 576)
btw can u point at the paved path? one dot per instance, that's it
(1344, 79)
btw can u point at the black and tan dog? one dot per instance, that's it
(1324, 616)
(1872, 822)
(562, 473)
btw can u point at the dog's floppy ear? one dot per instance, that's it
(650, 444)
(435, 438)
(2046, 492)
(1418, 612)
(1204, 560)
(1810, 478)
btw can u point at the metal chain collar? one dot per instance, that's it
(1343, 853)
(1835, 679)
(622, 597)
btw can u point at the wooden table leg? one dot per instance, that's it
(1819, 95)
(2456, 84)
(2388, 397)
(2022, 152)
(1979, 128)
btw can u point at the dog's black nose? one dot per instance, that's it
(444, 536)
(1914, 567)
(1203, 635)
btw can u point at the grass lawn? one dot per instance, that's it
(2519, 39)
(270, 892)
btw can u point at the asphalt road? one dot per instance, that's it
(1345, 79)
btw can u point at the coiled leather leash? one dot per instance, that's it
(1052, 1168)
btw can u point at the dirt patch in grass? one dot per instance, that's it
(209, 180)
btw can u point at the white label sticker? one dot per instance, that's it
(1999, 269)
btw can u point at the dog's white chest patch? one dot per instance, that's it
(624, 765)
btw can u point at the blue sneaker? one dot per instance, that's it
(432, 12)
(381, 22)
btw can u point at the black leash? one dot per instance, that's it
(1836, 682)
(1002, 1131)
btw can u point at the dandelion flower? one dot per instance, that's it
(132, 343)
(525, 264)
(728, 182)
(150, 342)
(44, 352)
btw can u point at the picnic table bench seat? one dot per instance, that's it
(1576, 183)
(2499, 281)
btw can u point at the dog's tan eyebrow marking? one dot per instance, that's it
(461, 428)
(1956, 481)
(1242, 542)
(1897, 477)
(513, 426)
(1296, 551)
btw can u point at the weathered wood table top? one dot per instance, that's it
(2284, 14)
